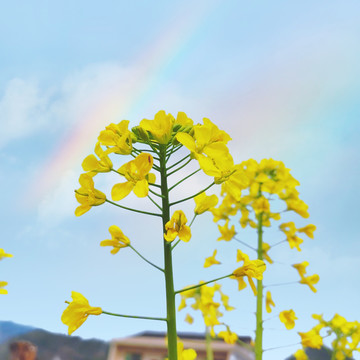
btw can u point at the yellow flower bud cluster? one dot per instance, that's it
(204, 301)
(3, 255)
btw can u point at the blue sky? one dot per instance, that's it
(282, 78)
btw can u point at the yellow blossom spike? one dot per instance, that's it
(78, 311)
(269, 302)
(209, 261)
(176, 226)
(287, 317)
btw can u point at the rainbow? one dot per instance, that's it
(151, 65)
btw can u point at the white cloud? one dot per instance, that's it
(23, 109)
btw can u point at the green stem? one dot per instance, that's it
(148, 261)
(133, 316)
(209, 350)
(169, 277)
(130, 209)
(185, 178)
(202, 284)
(191, 197)
(259, 297)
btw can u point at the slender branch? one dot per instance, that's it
(190, 197)
(278, 243)
(144, 258)
(185, 178)
(202, 284)
(180, 161)
(287, 283)
(134, 316)
(116, 171)
(156, 185)
(179, 168)
(244, 243)
(154, 202)
(130, 209)
(144, 150)
(280, 347)
(156, 194)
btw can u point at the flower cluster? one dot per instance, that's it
(345, 334)
(204, 301)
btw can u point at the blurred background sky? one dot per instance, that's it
(281, 77)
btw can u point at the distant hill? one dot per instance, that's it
(54, 346)
(8, 329)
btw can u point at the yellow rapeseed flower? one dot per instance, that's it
(310, 281)
(287, 317)
(118, 239)
(117, 137)
(92, 164)
(269, 302)
(87, 195)
(300, 355)
(3, 254)
(228, 336)
(204, 203)
(311, 339)
(209, 261)
(301, 268)
(137, 175)
(308, 230)
(251, 269)
(176, 226)
(226, 233)
(2, 290)
(78, 311)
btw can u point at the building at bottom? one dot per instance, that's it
(150, 345)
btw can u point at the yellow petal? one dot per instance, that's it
(120, 191)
